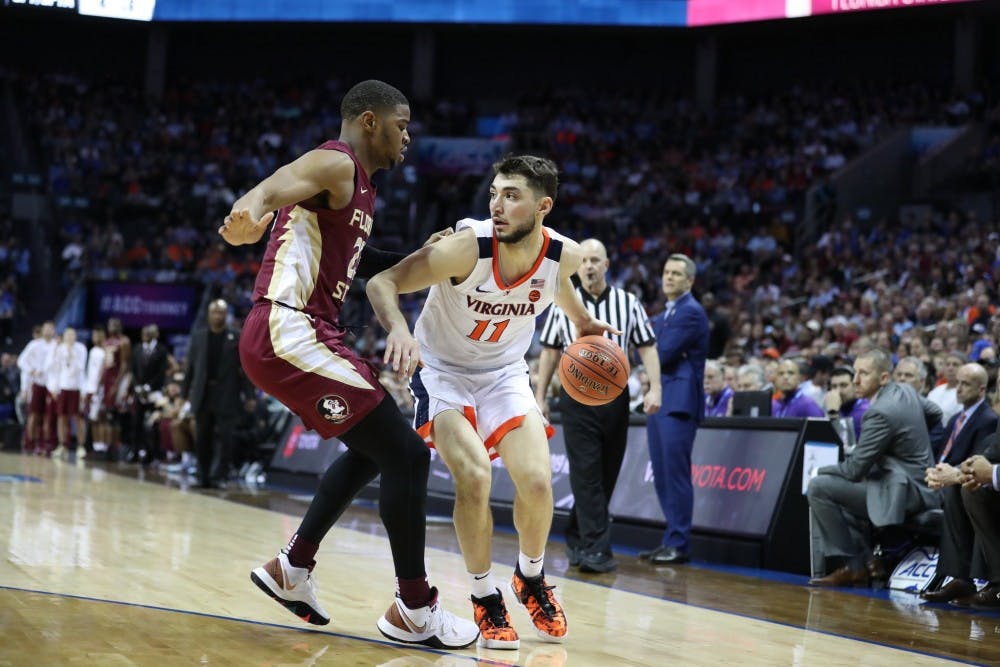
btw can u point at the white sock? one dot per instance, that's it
(530, 567)
(482, 584)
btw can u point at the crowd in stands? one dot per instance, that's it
(140, 188)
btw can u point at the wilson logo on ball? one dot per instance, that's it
(593, 370)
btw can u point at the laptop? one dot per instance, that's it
(752, 404)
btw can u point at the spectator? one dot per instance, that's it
(945, 393)
(911, 371)
(750, 377)
(820, 368)
(718, 394)
(967, 433)
(982, 505)
(842, 399)
(793, 402)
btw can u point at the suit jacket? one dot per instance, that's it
(682, 343)
(991, 448)
(893, 453)
(150, 368)
(969, 440)
(233, 388)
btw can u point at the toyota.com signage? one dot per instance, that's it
(169, 306)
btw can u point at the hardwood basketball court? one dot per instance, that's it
(102, 566)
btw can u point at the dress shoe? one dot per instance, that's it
(956, 588)
(843, 576)
(599, 562)
(669, 556)
(877, 569)
(988, 598)
(573, 556)
(649, 553)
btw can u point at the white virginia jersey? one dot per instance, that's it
(482, 323)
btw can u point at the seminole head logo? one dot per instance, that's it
(333, 409)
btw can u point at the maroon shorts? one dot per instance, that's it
(68, 403)
(303, 362)
(38, 400)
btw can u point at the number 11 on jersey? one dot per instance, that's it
(482, 325)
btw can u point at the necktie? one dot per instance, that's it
(951, 438)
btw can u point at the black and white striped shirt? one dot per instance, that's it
(617, 307)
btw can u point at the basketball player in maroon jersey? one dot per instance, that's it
(292, 347)
(116, 380)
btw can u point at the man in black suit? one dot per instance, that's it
(967, 432)
(981, 497)
(216, 387)
(149, 373)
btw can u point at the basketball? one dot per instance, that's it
(593, 370)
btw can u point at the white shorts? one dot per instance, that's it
(495, 402)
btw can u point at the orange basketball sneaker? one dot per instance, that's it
(537, 598)
(495, 630)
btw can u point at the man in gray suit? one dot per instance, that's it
(881, 482)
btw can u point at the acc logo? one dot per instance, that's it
(333, 409)
(534, 295)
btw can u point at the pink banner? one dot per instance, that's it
(709, 12)
(843, 6)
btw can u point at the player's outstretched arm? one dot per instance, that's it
(450, 257)
(315, 173)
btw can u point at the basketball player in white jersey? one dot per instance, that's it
(488, 282)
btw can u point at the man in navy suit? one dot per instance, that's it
(682, 342)
(966, 435)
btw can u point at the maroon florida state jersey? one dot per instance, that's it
(314, 251)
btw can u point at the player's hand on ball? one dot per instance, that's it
(596, 327)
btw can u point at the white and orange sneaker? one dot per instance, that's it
(429, 625)
(293, 587)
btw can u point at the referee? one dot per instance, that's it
(596, 436)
